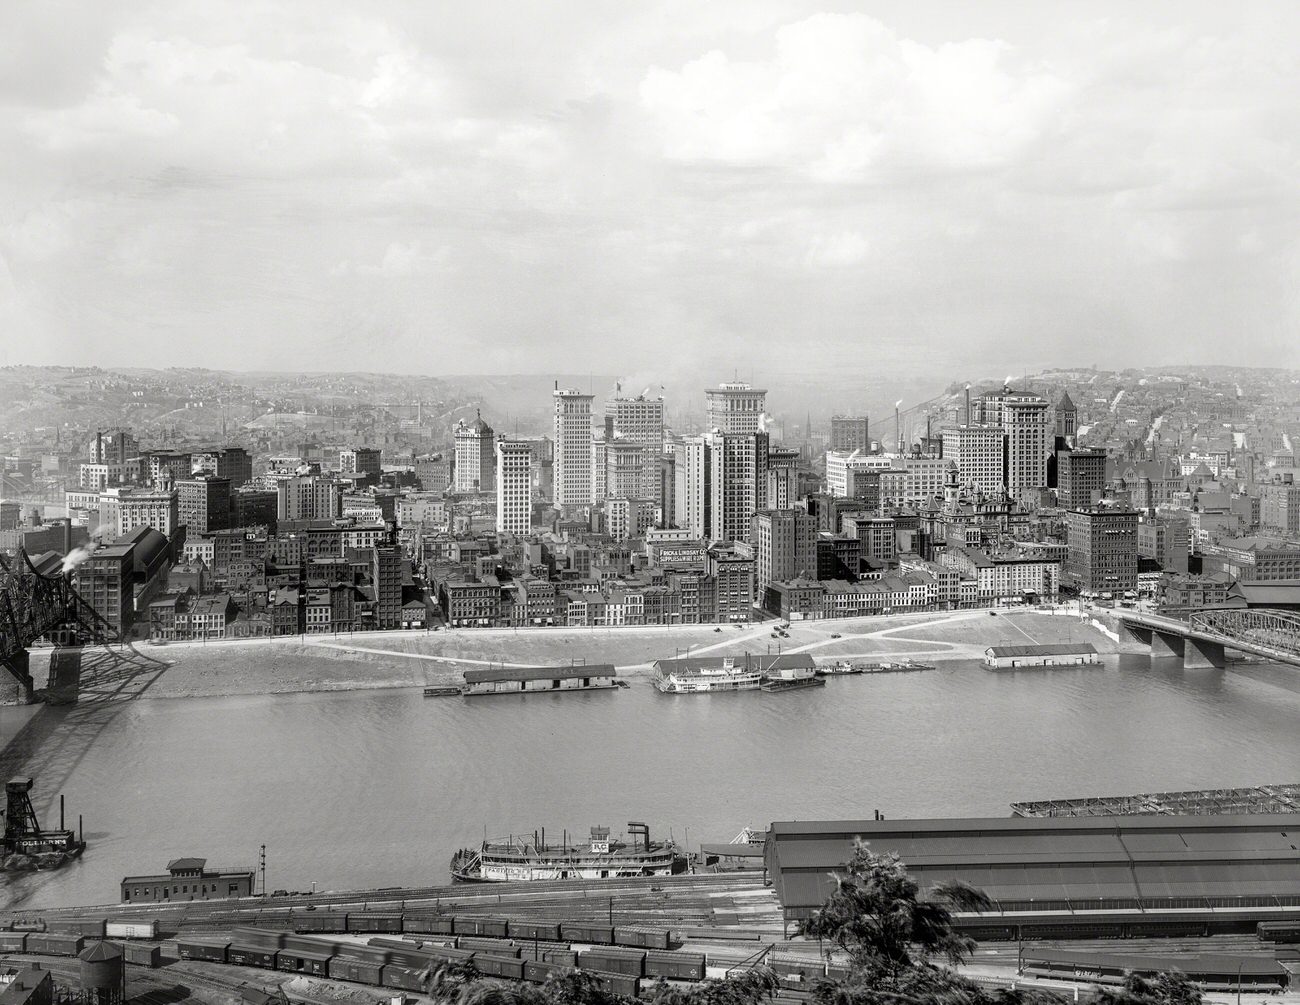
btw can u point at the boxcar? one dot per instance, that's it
(298, 961)
(401, 978)
(374, 955)
(500, 947)
(564, 957)
(613, 961)
(676, 966)
(619, 984)
(499, 966)
(13, 942)
(320, 921)
(91, 928)
(47, 944)
(194, 949)
(494, 927)
(645, 938)
(374, 923)
(250, 956)
(539, 972)
(259, 938)
(596, 935)
(535, 930)
(142, 956)
(342, 968)
(805, 969)
(131, 929)
(428, 924)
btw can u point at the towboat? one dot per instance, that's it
(525, 857)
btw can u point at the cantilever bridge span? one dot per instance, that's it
(1201, 640)
(36, 607)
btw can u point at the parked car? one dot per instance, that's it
(836, 635)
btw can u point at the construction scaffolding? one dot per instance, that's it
(1197, 802)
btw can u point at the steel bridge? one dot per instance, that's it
(1200, 641)
(36, 607)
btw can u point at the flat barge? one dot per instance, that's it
(1061, 654)
(531, 680)
(529, 857)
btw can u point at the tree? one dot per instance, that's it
(1172, 988)
(876, 915)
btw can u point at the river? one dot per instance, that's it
(378, 788)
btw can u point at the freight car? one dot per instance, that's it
(619, 984)
(510, 967)
(613, 960)
(199, 949)
(675, 965)
(131, 929)
(300, 961)
(427, 924)
(47, 944)
(496, 928)
(594, 935)
(364, 923)
(13, 942)
(320, 921)
(250, 956)
(91, 928)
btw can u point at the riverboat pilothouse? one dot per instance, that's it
(529, 857)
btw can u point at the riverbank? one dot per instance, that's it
(420, 659)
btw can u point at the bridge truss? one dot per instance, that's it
(1269, 629)
(35, 607)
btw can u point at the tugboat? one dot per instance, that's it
(526, 857)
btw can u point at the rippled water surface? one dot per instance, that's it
(378, 788)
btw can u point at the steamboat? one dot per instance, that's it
(525, 857)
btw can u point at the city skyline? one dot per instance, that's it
(655, 188)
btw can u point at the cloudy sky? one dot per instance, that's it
(462, 188)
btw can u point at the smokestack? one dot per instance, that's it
(967, 404)
(898, 425)
(67, 535)
(99, 446)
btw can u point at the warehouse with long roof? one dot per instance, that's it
(1061, 865)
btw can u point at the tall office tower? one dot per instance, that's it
(737, 484)
(850, 432)
(1079, 474)
(785, 546)
(514, 479)
(735, 407)
(386, 578)
(203, 503)
(979, 452)
(693, 474)
(640, 420)
(624, 470)
(113, 446)
(1026, 419)
(782, 489)
(309, 497)
(573, 449)
(1067, 418)
(475, 459)
(1102, 550)
(362, 461)
(224, 462)
(667, 495)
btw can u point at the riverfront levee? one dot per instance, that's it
(217, 777)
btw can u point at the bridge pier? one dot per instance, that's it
(1202, 655)
(1167, 644)
(1138, 633)
(16, 685)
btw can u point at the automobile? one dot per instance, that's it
(836, 635)
(993, 614)
(279, 893)
(741, 627)
(717, 629)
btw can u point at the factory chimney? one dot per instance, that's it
(967, 405)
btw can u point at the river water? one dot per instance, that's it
(378, 788)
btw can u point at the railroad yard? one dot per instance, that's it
(682, 926)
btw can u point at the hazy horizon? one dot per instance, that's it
(914, 190)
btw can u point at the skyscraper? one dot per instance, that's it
(514, 481)
(735, 407)
(573, 449)
(850, 432)
(475, 459)
(640, 420)
(738, 483)
(979, 453)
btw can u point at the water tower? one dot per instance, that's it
(103, 976)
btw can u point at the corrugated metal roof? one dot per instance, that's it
(1106, 858)
(540, 673)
